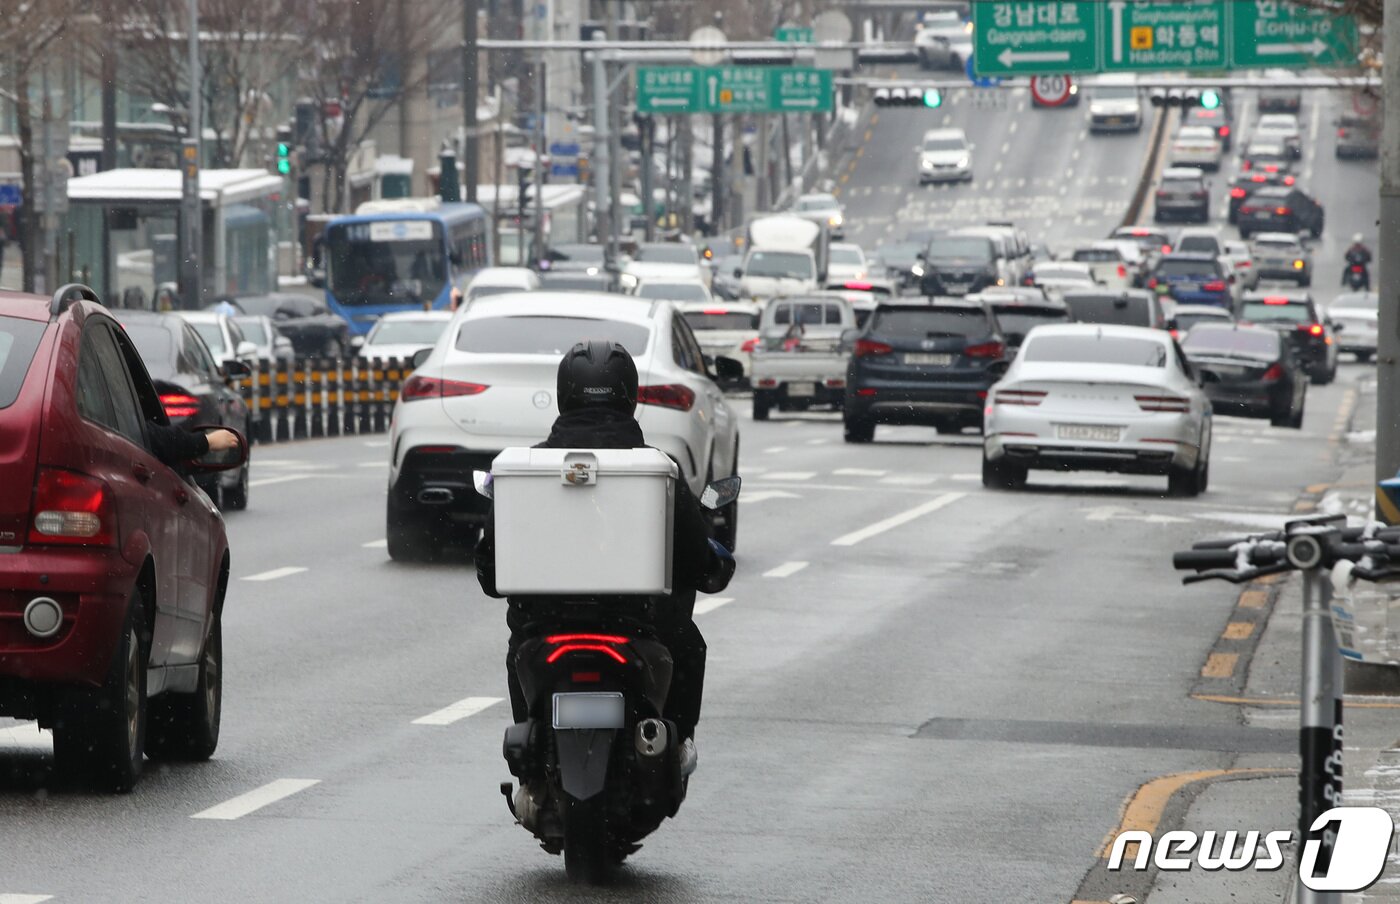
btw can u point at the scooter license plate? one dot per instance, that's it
(589, 711)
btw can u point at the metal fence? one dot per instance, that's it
(314, 397)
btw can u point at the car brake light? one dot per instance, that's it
(594, 643)
(1215, 285)
(1161, 194)
(866, 348)
(1341, 133)
(1152, 283)
(860, 286)
(713, 311)
(1028, 281)
(749, 345)
(1274, 373)
(178, 405)
(667, 395)
(1313, 329)
(1246, 209)
(1246, 165)
(1163, 403)
(992, 349)
(1258, 177)
(1122, 271)
(1283, 211)
(1289, 180)
(1271, 168)
(1224, 132)
(71, 508)
(416, 388)
(1028, 397)
(1166, 249)
(1275, 299)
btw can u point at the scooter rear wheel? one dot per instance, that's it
(586, 853)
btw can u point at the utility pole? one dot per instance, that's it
(717, 175)
(46, 188)
(602, 138)
(191, 210)
(470, 88)
(1388, 276)
(109, 97)
(614, 112)
(646, 127)
(540, 149)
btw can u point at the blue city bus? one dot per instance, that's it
(400, 255)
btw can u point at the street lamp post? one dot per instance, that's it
(191, 212)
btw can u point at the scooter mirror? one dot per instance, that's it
(720, 493)
(481, 480)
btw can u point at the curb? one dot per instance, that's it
(1225, 671)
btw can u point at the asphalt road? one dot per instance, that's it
(917, 689)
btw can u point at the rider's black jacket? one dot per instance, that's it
(604, 428)
(1358, 254)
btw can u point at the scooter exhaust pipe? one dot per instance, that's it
(652, 737)
(435, 496)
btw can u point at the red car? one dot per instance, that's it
(112, 565)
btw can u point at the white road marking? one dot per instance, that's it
(891, 523)
(24, 899)
(765, 495)
(859, 472)
(785, 570)
(1014, 126)
(376, 443)
(256, 799)
(1005, 147)
(1120, 513)
(790, 475)
(818, 442)
(284, 572)
(774, 450)
(711, 603)
(458, 711)
(268, 481)
(381, 543)
(28, 736)
(910, 480)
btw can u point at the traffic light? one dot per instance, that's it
(1210, 98)
(284, 158)
(908, 97)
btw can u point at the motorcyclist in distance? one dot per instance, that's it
(597, 399)
(1358, 254)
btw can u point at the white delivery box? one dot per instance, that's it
(583, 521)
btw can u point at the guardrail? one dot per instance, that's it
(314, 397)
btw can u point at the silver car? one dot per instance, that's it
(1098, 397)
(945, 155)
(1354, 319)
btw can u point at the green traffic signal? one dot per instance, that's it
(1210, 99)
(284, 167)
(933, 98)
(284, 158)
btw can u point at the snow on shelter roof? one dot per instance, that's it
(227, 186)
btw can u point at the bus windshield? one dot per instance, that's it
(387, 262)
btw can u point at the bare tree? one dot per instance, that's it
(246, 47)
(362, 57)
(31, 30)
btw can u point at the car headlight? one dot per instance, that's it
(1298, 265)
(926, 163)
(834, 220)
(964, 163)
(917, 269)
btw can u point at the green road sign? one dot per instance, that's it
(1276, 33)
(1165, 35)
(733, 89)
(668, 89)
(1047, 38)
(793, 34)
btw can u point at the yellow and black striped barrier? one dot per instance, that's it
(312, 397)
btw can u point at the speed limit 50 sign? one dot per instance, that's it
(1051, 90)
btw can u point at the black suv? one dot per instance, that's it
(1294, 315)
(1280, 208)
(1245, 184)
(1182, 196)
(923, 364)
(957, 265)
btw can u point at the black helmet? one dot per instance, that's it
(597, 373)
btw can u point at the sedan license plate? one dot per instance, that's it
(936, 360)
(801, 390)
(588, 711)
(1189, 286)
(1091, 432)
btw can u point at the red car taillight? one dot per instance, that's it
(749, 345)
(178, 404)
(1224, 132)
(1246, 209)
(1237, 192)
(1122, 272)
(1289, 180)
(416, 388)
(1274, 373)
(1028, 397)
(1246, 165)
(866, 348)
(1152, 283)
(669, 395)
(1164, 403)
(985, 350)
(1215, 285)
(1312, 329)
(72, 508)
(1283, 211)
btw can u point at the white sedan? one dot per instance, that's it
(1196, 146)
(402, 334)
(490, 384)
(1355, 317)
(1099, 398)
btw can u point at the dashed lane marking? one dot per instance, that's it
(748, 499)
(376, 443)
(711, 603)
(858, 472)
(276, 573)
(790, 475)
(381, 543)
(458, 711)
(268, 481)
(256, 799)
(1220, 665)
(24, 899)
(785, 570)
(891, 523)
(910, 480)
(774, 450)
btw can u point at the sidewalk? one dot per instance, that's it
(1371, 711)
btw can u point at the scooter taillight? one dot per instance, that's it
(592, 643)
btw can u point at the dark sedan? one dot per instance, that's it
(315, 330)
(1246, 183)
(924, 364)
(1193, 278)
(1294, 315)
(194, 390)
(1280, 208)
(1248, 372)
